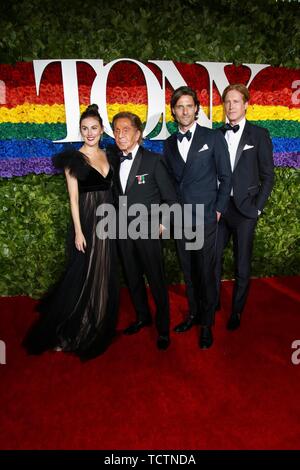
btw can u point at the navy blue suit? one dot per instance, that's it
(205, 178)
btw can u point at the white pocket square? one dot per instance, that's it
(205, 147)
(247, 147)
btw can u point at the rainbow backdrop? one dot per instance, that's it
(29, 124)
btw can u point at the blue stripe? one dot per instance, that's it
(46, 148)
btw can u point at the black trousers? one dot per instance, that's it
(185, 259)
(144, 256)
(199, 273)
(242, 229)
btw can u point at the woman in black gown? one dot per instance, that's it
(79, 314)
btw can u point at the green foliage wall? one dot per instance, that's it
(36, 214)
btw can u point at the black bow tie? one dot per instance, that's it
(181, 136)
(228, 127)
(126, 157)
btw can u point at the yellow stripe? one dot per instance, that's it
(41, 114)
(258, 112)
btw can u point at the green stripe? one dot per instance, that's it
(288, 129)
(23, 131)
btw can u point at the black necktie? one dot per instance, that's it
(126, 157)
(228, 127)
(181, 136)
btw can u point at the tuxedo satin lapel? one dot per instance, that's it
(118, 180)
(244, 140)
(114, 162)
(174, 149)
(134, 169)
(120, 189)
(176, 154)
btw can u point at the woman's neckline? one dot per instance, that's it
(94, 168)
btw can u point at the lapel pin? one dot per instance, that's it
(141, 178)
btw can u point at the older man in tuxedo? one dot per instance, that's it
(142, 177)
(198, 161)
(251, 158)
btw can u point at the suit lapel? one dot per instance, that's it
(117, 175)
(120, 189)
(174, 149)
(134, 169)
(176, 155)
(243, 140)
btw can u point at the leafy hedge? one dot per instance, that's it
(36, 214)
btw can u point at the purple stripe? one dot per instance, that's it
(287, 159)
(43, 165)
(25, 166)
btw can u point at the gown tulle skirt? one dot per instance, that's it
(79, 313)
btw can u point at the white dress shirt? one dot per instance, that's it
(233, 140)
(125, 168)
(184, 145)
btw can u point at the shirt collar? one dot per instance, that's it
(241, 124)
(191, 129)
(134, 151)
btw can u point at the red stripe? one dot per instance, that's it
(53, 94)
(273, 86)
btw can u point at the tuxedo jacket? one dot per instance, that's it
(253, 172)
(205, 177)
(148, 182)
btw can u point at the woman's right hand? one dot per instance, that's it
(80, 242)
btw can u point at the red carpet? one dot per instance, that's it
(243, 393)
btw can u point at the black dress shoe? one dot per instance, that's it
(206, 337)
(163, 342)
(187, 324)
(136, 327)
(234, 321)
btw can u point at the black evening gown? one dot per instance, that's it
(79, 313)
